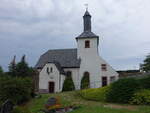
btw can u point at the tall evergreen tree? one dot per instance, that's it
(22, 68)
(12, 67)
(68, 83)
(146, 65)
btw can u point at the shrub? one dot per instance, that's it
(68, 84)
(141, 97)
(85, 81)
(96, 94)
(122, 90)
(145, 82)
(16, 89)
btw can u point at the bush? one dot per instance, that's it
(122, 90)
(96, 94)
(141, 97)
(145, 82)
(16, 89)
(68, 84)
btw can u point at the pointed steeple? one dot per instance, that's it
(87, 33)
(87, 21)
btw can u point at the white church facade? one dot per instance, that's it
(54, 65)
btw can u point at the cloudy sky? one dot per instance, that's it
(32, 27)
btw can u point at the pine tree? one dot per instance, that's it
(12, 67)
(22, 68)
(68, 84)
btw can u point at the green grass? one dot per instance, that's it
(70, 98)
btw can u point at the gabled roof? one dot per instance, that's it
(58, 66)
(67, 58)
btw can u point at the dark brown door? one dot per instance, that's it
(104, 81)
(51, 87)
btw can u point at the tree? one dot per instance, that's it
(22, 68)
(1, 71)
(12, 67)
(68, 83)
(146, 65)
(85, 82)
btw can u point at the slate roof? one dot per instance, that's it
(67, 58)
(87, 34)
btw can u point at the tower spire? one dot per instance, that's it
(87, 20)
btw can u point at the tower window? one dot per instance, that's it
(104, 67)
(87, 44)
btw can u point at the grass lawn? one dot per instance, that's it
(70, 98)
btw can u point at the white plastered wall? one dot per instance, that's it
(54, 76)
(91, 62)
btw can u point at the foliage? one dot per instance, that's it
(22, 68)
(144, 82)
(122, 90)
(1, 71)
(18, 109)
(141, 97)
(146, 65)
(16, 89)
(68, 84)
(85, 82)
(96, 94)
(12, 67)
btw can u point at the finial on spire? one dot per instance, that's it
(86, 6)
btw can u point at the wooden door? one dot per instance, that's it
(104, 81)
(51, 87)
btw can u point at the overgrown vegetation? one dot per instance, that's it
(122, 90)
(146, 65)
(17, 83)
(127, 90)
(16, 89)
(141, 97)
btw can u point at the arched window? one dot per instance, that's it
(85, 82)
(47, 70)
(87, 44)
(69, 73)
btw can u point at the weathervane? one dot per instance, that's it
(86, 6)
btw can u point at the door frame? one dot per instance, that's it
(52, 88)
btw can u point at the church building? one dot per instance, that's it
(55, 65)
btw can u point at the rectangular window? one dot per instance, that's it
(87, 44)
(104, 67)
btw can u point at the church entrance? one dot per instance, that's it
(104, 81)
(51, 87)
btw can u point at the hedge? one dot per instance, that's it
(122, 90)
(96, 94)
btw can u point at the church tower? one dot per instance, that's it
(87, 42)
(87, 51)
